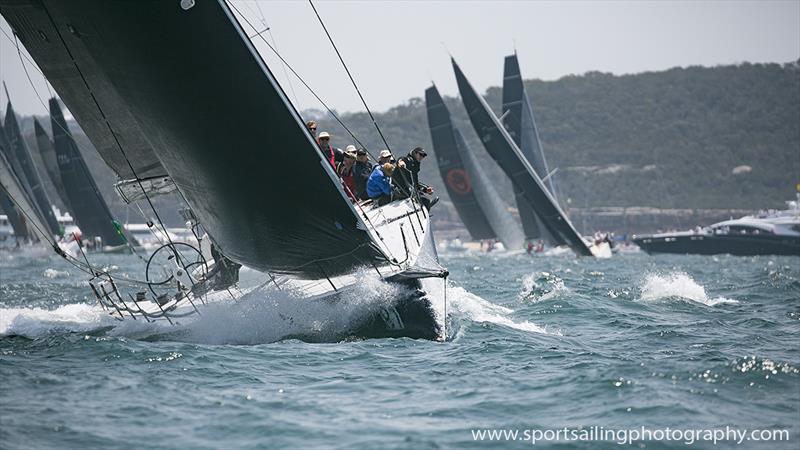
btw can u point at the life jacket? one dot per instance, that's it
(348, 177)
(329, 153)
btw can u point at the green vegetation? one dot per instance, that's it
(666, 139)
(663, 139)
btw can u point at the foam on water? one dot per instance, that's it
(463, 304)
(678, 285)
(268, 315)
(262, 315)
(37, 322)
(541, 286)
(53, 273)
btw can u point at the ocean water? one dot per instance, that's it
(534, 343)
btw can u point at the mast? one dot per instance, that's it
(510, 158)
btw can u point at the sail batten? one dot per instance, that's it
(502, 148)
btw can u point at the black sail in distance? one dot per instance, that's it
(518, 121)
(503, 150)
(456, 179)
(215, 116)
(87, 205)
(19, 175)
(506, 226)
(15, 217)
(48, 153)
(29, 171)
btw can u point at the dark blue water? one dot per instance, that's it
(534, 343)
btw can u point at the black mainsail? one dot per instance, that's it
(214, 115)
(48, 154)
(456, 179)
(518, 120)
(23, 157)
(510, 158)
(87, 205)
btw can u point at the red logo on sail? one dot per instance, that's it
(459, 181)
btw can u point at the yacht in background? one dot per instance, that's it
(766, 233)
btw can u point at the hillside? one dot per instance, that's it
(655, 140)
(667, 139)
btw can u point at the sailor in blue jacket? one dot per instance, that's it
(379, 185)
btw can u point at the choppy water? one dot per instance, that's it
(534, 342)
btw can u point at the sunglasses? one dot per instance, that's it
(313, 128)
(324, 139)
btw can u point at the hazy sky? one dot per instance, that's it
(396, 48)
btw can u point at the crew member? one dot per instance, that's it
(379, 186)
(408, 176)
(312, 127)
(361, 173)
(332, 154)
(345, 171)
(384, 157)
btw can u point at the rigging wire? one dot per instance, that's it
(310, 90)
(374, 122)
(283, 66)
(110, 129)
(63, 128)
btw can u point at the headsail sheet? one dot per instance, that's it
(219, 122)
(48, 153)
(29, 172)
(457, 180)
(503, 150)
(507, 227)
(87, 205)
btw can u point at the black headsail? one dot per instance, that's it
(216, 117)
(48, 153)
(29, 172)
(87, 205)
(518, 120)
(503, 150)
(456, 179)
